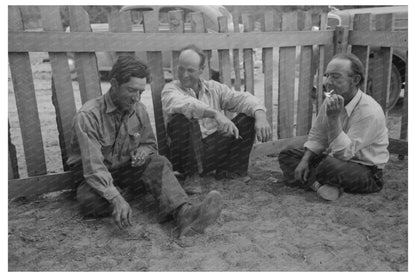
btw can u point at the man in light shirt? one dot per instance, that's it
(202, 138)
(346, 149)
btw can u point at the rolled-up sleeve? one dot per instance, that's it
(174, 101)
(95, 172)
(237, 101)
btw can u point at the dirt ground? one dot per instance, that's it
(264, 226)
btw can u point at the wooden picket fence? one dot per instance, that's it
(279, 32)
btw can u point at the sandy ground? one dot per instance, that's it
(265, 226)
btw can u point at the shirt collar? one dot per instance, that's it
(110, 107)
(202, 84)
(353, 103)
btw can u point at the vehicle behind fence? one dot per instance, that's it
(289, 66)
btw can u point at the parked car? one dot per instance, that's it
(345, 18)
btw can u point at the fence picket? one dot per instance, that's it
(382, 62)
(119, 22)
(405, 119)
(198, 26)
(287, 65)
(341, 39)
(154, 60)
(271, 23)
(236, 52)
(24, 91)
(248, 23)
(85, 62)
(306, 73)
(224, 55)
(362, 22)
(13, 166)
(323, 59)
(176, 25)
(62, 92)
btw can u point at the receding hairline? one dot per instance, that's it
(187, 52)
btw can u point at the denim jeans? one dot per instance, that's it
(352, 177)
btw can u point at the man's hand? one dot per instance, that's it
(122, 213)
(302, 171)
(226, 126)
(138, 157)
(262, 126)
(334, 105)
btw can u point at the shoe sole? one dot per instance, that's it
(328, 192)
(209, 212)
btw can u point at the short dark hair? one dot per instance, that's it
(356, 65)
(197, 50)
(128, 66)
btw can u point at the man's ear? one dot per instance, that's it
(114, 83)
(357, 79)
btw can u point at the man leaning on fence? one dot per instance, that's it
(346, 149)
(202, 138)
(114, 146)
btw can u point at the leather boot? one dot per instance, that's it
(195, 218)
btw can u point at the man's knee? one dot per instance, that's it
(159, 161)
(244, 123)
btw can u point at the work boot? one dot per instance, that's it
(326, 192)
(192, 184)
(195, 218)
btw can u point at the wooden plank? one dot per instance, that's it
(62, 83)
(287, 65)
(24, 91)
(379, 38)
(35, 186)
(119, 22)
(176, 25)
(398, 146)
(273, 148)
(321, 63)
(224, 55)
(382, 62)
(108, 41)
(198, 26)
(248, 23)
(306, 72)
(341, 39)
(362, 22)
(236, 52)
(405, 109)
(271, 23)
(86, 62)
(154, 60)
(13, 168)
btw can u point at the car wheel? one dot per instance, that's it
(395, 87)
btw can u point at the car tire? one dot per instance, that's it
(395, 87)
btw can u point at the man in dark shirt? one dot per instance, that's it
(114, 145)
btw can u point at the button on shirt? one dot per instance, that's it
(364, 138)
(103, 139)
(212, 95)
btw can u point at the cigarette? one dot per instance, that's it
(328, 94)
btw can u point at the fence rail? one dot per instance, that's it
(302, 55)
